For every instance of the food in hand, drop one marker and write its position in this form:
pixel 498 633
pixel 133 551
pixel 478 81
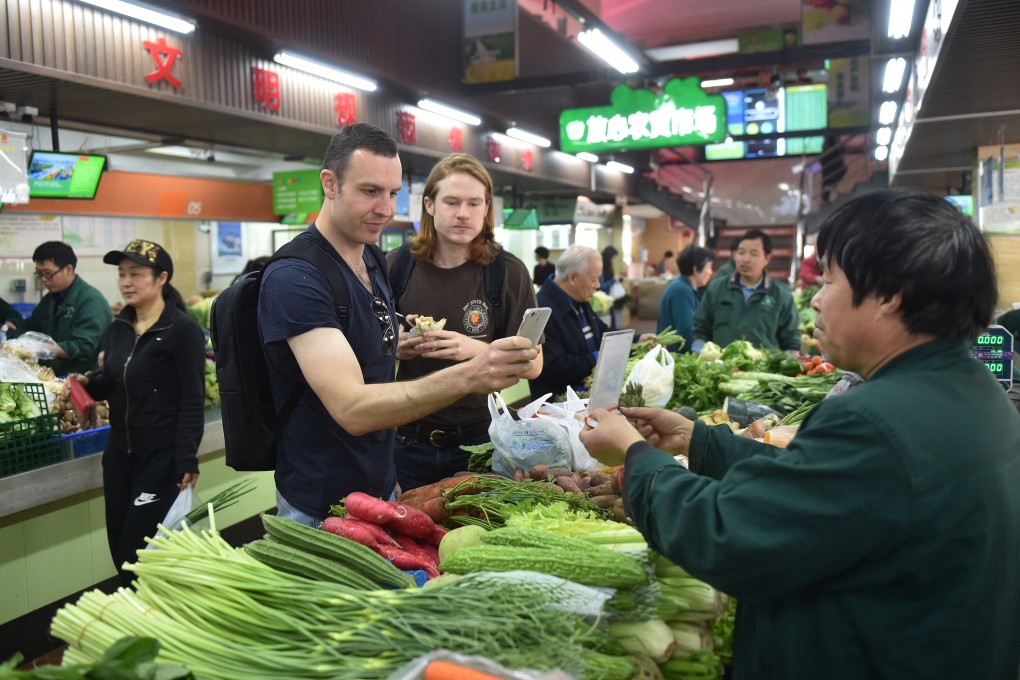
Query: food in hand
pixel 424 324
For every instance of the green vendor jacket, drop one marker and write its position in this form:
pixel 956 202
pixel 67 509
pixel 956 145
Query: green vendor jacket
pixel 768 318
pixel 883 543
pixel 77 325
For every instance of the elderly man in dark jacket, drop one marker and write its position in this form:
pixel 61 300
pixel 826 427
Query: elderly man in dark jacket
pixel 884 542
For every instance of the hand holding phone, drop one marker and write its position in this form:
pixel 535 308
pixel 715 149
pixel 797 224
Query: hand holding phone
pixel 533 323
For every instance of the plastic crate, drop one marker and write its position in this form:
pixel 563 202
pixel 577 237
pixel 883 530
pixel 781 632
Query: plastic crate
pixel 31 443
pixel 23 308
pixel 86 442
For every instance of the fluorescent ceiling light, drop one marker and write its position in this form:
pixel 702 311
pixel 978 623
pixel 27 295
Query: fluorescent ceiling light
pixel 783 186
pixel 894 69
pixel 901 14
pixel 608 51
pixel 619 167
pixel 712 48
pixel 449 112
pixel 718 82
pixel 881 153
pixel 887 113
pixel 167 21
pixel 529 137
pixel 585 156
pixel 323 71
pixel 883 136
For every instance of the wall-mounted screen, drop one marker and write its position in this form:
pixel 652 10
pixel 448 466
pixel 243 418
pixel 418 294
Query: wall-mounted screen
pixel 768 111
pixel 64 175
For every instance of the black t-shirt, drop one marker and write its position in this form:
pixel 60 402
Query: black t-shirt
pixel 542 272
pixel 318 462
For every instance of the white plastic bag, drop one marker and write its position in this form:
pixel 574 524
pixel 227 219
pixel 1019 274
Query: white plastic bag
pixel 32 346
pixel 569 415
pixel 616 291
pixel 523 444
pixel 186 501
pixel 654 372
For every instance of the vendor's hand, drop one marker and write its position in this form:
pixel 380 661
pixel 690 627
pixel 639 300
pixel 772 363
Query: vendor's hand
pixel 607 436
pixel 189 479
pixel 66 386
pixel 666 430
pixel 11 326
pixel 647 336
pixel 450 345
pixel 500 365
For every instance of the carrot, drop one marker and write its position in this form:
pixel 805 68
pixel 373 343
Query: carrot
pixel 435 508
pixel 447 670
pixel 369 508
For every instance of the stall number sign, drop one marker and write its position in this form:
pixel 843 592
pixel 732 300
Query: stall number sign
pixel 679 115
pixel 994 348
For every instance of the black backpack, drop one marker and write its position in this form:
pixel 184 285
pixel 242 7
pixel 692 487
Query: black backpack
pixel 493 275
pixel 251 424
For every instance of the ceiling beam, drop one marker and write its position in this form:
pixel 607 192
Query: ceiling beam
pixel 681 67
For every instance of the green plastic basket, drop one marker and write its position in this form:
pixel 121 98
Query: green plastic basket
pixel 32 442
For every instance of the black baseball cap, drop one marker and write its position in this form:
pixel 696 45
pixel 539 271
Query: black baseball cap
pixel 145 253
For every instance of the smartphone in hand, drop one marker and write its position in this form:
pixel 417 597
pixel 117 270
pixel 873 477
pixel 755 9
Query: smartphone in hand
pixel 533 323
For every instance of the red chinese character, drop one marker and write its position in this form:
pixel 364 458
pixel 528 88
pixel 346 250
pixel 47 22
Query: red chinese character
pixel 495 152
pixel 408 131
pixel 346 109
pixel 456 140
pixel 266 87
pixel 165 65
pixel 528 159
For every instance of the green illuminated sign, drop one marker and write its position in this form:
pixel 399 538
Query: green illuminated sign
pixel 298 191
pixel 680 114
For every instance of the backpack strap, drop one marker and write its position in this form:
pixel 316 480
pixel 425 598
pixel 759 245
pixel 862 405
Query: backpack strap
pixel 401 272
pixel 307 250
pixel 494 275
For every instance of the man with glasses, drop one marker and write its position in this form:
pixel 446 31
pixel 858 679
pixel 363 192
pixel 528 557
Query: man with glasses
pixel 339 437
pixel 72 312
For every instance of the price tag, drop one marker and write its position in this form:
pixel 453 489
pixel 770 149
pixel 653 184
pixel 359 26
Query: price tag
pixel 610 369
pixel 994 348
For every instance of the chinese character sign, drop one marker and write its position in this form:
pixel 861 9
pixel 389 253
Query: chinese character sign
pixel 494 149
pixel 265 87
pixel 408 130
pixel 528 159
pixel 679 115
pixel 490 40
pixel 346 109
pixel 456 140
pixel 164 57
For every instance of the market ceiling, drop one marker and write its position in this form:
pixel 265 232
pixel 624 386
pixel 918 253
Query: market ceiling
pixel 973 78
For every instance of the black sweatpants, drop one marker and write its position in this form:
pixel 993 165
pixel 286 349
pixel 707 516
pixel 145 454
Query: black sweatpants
pixel 140 488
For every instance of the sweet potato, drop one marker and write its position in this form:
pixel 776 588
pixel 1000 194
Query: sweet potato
pixel 605 501
pixel 559 472
pixel 567 484
pixel 602 490
pixel 539 473
pixel 619 514
pixel 585 483
pixel 599 478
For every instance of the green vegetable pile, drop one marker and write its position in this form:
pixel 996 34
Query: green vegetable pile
pixel 16 404
pixel 130 658
pixel 480 459
pixel 212 385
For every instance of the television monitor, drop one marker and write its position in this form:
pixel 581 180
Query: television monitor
pixel 762 111
pixel 965 203
pixel 52 174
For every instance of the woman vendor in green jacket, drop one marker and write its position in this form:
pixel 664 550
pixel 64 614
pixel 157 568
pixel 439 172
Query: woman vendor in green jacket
pixel 884 542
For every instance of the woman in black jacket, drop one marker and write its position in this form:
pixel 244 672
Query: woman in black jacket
pixel 152 372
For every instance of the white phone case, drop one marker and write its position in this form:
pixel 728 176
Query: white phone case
pixel 533 323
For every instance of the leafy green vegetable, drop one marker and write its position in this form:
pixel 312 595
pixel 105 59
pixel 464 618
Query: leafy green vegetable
pixel 130 658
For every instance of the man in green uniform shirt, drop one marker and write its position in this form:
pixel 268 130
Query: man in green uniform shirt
pixel 884 542
pixel 748 305
pixel 72 312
